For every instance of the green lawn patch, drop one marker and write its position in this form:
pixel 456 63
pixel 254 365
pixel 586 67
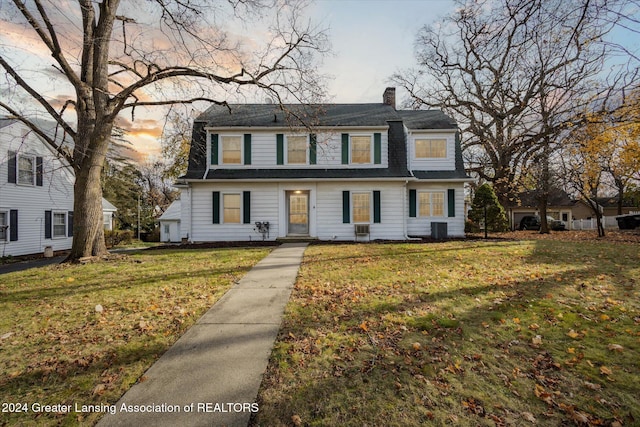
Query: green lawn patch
pixel 466 333
pixel 83 334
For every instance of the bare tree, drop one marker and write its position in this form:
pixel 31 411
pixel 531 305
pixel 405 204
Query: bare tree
pixel 512 72
pixel 116 56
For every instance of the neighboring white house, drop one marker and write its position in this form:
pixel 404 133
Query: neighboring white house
pixel 170 223
pixel 356 172
pixel 36 193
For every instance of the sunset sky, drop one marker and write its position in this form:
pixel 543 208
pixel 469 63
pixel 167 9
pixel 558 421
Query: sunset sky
pixel 371 39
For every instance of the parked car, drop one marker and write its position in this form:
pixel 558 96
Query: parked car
pixel 628 222
pixel 532 222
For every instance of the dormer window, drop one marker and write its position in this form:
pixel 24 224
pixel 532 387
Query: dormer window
pixel 431 148
pixel 232 150
pixel 297 150
pixel 360 149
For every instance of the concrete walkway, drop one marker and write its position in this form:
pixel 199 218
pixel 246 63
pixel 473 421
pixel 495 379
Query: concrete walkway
pixel 211 375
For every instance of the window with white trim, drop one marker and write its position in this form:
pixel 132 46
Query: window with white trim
pixel 231 204
pixel 361 149
pixel 361 207
pixel 431 203
pixel 4 226
pixel 231 149
pixel 297 150
pixel 26 170
pixel 59 225
pixel 431 148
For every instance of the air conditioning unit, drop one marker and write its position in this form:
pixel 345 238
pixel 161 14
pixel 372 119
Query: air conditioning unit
pixel 362 229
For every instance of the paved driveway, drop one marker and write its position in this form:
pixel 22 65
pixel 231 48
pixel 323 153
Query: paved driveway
pixel 25 265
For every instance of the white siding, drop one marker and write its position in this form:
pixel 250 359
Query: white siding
pixel 174 231
pixel 268 203
pixel 32 201
pixel 328 149
pixel 329 205
pixel 264 207
pixel 185 213
pixel 447 163
pixel 421 226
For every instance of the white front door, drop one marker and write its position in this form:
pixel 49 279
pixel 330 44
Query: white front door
pixel 298 212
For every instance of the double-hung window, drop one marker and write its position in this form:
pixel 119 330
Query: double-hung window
pixel 431 148
pixel 297 150
pixel 431 203
pixel 4 225
pixel 59 224
pixel 361 207
pixel 232 150
pixel 231 208
pixel 26 170
pixel 360 149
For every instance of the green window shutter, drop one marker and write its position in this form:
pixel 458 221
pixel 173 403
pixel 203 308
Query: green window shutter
pixel 413 195
pixel 451 200
pixel 247 148
pixel 346 208
pixel 376 207
pixel 377 148
pixel 246 207
pixel 214 149
pixel 216 207
pixel 345 148
pixel 280 149
pixel 313 142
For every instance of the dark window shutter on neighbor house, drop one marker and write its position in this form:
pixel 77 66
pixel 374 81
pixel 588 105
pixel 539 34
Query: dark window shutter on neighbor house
pixel 376 207
pixel 345 148
pixel 216 207
pixel 47 224
pixel 346 208
pixel 12 166
pixel 13 225
pixel 39 171
pixel 280 149
pixel 214 149
pixel 247 148
pixel 413 195
pixel 70 224
pixel 451 200
pixel 246 207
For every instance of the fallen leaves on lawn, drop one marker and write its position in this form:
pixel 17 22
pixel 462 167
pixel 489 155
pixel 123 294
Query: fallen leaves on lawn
pixel 605 371
pixel 573 334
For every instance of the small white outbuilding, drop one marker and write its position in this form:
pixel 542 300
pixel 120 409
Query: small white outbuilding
pixel 170 223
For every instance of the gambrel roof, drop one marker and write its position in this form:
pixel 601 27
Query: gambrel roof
pixel 321 115
pixel 332 117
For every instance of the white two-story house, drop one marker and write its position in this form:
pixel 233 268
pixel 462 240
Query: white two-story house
pixel 329 172
pixel 36 192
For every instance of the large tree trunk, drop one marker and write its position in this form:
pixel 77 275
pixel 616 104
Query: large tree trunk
pixel 88 232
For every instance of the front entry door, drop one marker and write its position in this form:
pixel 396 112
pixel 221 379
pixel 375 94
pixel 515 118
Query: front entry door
pixel 298 205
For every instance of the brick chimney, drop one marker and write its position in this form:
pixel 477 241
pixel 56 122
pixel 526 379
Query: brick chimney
pixel 389 97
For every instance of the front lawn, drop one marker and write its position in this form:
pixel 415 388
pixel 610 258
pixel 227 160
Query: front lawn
pixel 83 334
pixel 470 333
